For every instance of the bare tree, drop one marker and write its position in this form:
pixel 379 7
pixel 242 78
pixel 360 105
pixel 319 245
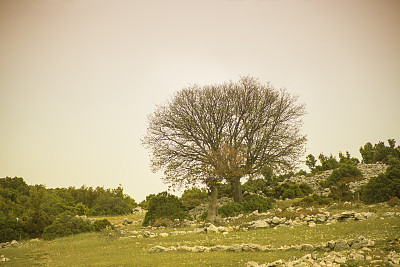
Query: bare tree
pixel 223 132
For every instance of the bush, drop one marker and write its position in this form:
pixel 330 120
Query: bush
pixel 34 222
pixel 230 209
pixel 110 206
pixel 164 205
pixel 67 224
pixel 251 203
pixel 341 192
pixel 193 197
pixel 289 193
pixel 99 225
pixel 393 201
pixel 11 229
pixel 314 200
pixel 292 190
pixel 382 187
pixel 165 222
pixel 344 171
pixel 255 185
pixel 380 152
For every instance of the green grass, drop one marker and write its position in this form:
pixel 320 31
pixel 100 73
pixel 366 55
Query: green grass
pixel 106 249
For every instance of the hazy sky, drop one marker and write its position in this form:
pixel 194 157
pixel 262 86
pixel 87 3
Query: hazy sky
pixel 79 77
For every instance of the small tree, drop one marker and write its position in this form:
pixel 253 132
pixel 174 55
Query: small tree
pixel 380 152
pixel 310 162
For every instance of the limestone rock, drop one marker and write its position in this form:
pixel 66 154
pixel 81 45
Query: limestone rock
pixel 341 245
pixel 259 224
pixel 157 249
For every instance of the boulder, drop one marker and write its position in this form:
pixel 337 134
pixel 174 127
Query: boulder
pixel 276 220
pixel 212 229
pixel 341 245
pixel 259 224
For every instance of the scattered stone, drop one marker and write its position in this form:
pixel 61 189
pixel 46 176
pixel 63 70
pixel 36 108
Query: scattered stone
pixel 312 224
pixel 341 245
pixel 157 249
pixel 251 264
pixel 259 224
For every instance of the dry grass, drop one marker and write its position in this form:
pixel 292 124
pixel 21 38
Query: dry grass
pixel 106 249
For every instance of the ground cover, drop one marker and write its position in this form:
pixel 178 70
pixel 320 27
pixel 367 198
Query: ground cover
pixel 116 248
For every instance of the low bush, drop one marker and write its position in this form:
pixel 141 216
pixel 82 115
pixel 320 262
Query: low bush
pixel 193 197
pixel 67 224
pixel 314 200
pixel 99 225
pixel 163 222
pixel 383 187
pixel 393 201
pixel 343 172
pixel 11 229
pixel 256 185
pixel 341 192
pixel 164 205
pixel 251 203
pixel 230 209
pixel 110 206
pixel 292 190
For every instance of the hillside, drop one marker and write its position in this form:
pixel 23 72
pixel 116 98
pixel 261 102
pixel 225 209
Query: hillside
pixel 352 234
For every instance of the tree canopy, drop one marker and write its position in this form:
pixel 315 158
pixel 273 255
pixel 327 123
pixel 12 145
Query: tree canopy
pixel 224 132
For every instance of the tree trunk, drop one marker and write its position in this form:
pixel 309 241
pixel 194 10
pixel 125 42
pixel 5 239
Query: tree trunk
pixel 237 189
pixel 212 216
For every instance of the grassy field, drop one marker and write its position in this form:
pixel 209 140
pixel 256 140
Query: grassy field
pixel 112 249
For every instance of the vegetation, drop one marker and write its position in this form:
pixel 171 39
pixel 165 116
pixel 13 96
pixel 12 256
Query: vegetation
pixel 314 200
pixel 380 152
pixel 193 197
pixel 107 249
pixel 329 163
pixel 291 190
pixel 68 224
pixel 164 206
pixel 383 187
pixel 26 210
pixel 224 132
pixel 249 204
pixel 343 174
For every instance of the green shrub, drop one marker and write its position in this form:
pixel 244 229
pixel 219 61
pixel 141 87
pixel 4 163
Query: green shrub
pixel 380 152
pixel 255 185
pixel 314 200
pixel 11 229
pixel 203 216
pixel 393 201
pixel 67 224
pixel 165 222
pixel 35 221
pixel 251 203
pixel 109 206
pixel 164 205
pixel 289 193
pixel 230 209
pixel 341 192
pixel 291 190
pixel 383 187
pixel 193 197
pixel 344 171
pixel 99 225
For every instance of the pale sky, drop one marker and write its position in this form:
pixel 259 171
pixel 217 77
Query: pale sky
pixel 79 77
